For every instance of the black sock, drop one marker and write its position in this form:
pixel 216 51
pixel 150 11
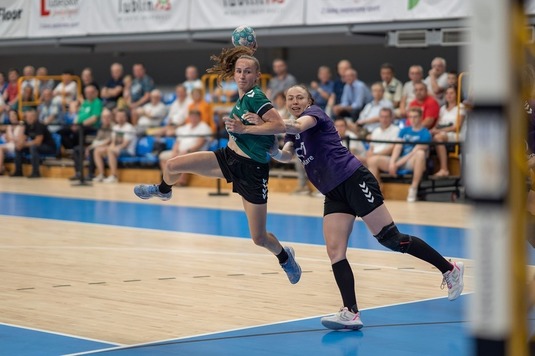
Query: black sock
pixel 346 284
pixel 164 187
pixel 282 256
pixel 420 249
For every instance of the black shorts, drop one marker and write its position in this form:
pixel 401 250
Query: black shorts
pixel 358 195
pixel 249 178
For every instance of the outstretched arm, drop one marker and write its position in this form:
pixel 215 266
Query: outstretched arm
pixel 272 124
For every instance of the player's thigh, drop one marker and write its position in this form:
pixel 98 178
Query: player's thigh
pixel 204 163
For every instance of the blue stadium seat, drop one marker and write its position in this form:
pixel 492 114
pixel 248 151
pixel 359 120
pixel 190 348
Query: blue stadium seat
pixel 215 144
pixel 168 98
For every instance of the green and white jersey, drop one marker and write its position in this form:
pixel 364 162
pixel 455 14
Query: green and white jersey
pixel 255 146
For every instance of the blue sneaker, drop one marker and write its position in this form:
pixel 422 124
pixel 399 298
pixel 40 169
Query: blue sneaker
pixel 291 267
pixel 146 191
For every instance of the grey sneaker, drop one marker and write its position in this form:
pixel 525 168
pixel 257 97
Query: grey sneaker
pixel 291 267
pixel 344 319
pixel 146 191
pixel 454 280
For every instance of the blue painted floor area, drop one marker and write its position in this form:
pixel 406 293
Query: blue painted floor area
pixel 448 241
pixel 432 327
pixel 21 341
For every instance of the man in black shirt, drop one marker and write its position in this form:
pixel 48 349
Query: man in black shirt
pixel 36 140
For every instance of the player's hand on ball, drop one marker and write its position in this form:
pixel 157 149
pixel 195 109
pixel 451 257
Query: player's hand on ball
pixel 234 125
pixel 253 118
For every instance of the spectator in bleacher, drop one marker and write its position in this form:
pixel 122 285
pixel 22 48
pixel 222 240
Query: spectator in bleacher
pixel 323 88
pixel 27 98
pixel 281 79
pixel 355 95
pixel 347 137
pixel 437 80
pixel 151 114
pixel 4 110
pixel 385 132
pixel 225 92
pixel 194 136
pixel 50 113
pixel 339 82
pixel 416 75
pixel 88 117
pixel 13 133
pixel 3 83
pixel 29 72
pixel 427 103
pixel 123 143
pixel 192 79
pixel 198 103
pixel 11 93
pixel 102 138
pixel 448 129
pixel 369 116
pixel 452 80
pixel 178 112
pixel 113 90
pixel 67 90
pixel 126 99
pixel 141 87
pixel 393 87
pixel 44 83
pixel 87 79
pixel 407 156
pixel 35 140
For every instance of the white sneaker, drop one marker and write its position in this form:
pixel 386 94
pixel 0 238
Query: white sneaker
pixel 411 197
pixel 454 280
pixel 344 319
pixel 111 179
pixel 99 178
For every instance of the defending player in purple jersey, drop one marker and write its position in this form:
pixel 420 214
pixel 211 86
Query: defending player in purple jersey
pixel 350 190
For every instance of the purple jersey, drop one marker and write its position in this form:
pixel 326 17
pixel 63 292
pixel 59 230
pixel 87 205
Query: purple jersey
pixel 327 162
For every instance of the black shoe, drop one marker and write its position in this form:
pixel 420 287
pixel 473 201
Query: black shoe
pixel 34 176
pixel 17 174
pixel 75 177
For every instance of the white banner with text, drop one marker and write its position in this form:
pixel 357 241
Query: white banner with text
pixel 322 12
pixel 14 15
pixel 59 18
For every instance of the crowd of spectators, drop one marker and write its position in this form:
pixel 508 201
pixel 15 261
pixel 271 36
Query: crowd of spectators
pixel 102 122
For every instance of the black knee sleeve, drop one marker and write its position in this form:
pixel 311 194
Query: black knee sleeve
pixel 391 238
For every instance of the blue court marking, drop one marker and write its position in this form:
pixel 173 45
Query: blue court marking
pixel 291 228
pixel 17 340
pixel 430 327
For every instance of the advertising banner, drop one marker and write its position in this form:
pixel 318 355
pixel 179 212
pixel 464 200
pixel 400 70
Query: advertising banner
pixel 57 18
pixel 221 14
pixel 14 16
pixel 321 12
pixel 138 16
pixel 429 9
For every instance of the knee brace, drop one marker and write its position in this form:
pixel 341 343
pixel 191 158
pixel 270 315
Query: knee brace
pixel 391 238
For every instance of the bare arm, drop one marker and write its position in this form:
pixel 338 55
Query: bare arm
pixel 272 124
pixel 300 125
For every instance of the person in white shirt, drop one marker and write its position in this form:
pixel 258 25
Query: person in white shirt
pixel 385 132
pixel 349 139
pixel 123 143
pixel 151 114
pixel 194 136
pixel 192 79
pixel 416 75
pixel 369 116
pixel 437 80
pixel 66 91
pixel 393 87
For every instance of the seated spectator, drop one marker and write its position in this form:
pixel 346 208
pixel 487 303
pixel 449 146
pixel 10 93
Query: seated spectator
pixel 323 88
pixel 4 110
pixel 123 143
pixel 192 79
pixel 194 136
pixel 71 115
pixel 11 94
pixel 27 99
pixel 141 87
pixel 29 73
pixel 437 80
pixel 102 138
pixel 349 139
pixel 355 95
pixel 281 79
pixel 151 114
pixel 393 87
pixel 416 75
pixel 369 116
pixel 66 91
pixel 406 156
pixel 88 118
pixel 49 112
pixel 14 132
pixel 35 140
pixel 44 83
pixel 427 103
pixel 87 79
pixel 125 101
pixel 385 132
pixel 448 129
pixel 113 90
pixel 3 84
pixel 339 83
pixel 226 92
pixel 178 113
pixel 198 103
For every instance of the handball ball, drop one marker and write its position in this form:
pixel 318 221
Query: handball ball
pixel 244 36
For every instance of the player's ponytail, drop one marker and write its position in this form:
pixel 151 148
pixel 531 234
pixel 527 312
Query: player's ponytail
pixel 225 62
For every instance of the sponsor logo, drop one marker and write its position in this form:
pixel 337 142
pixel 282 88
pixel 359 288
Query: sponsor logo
pixel 59 7
pixel 139 6
pixel 367 192
pixel 246 3
pixel 10 15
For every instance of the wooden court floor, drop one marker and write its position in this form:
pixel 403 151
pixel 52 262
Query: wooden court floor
pixel 127 285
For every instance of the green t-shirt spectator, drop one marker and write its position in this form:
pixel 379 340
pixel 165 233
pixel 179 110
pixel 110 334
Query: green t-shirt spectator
pixel 88 109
